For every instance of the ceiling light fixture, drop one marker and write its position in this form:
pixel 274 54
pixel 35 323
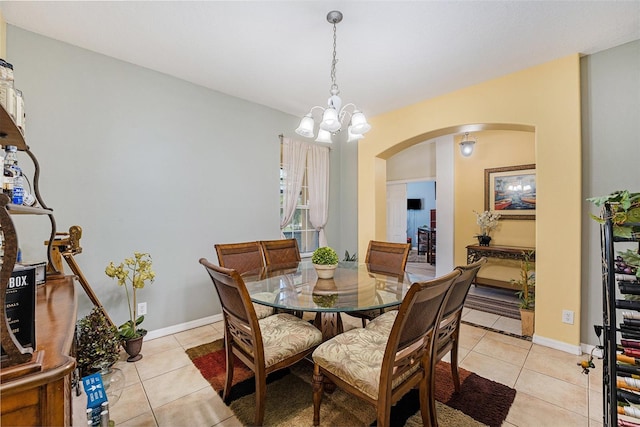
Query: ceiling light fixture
pixel 334 115
pixel 466 146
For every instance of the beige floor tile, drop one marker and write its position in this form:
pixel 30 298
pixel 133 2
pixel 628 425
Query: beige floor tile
pixel 518 342
pixel 132 403
pixel 197 336
pixel 462 353
pixel 201 408
pixel 481 318
pixel 145 420
pixel 159 345
pixel 130 372
pixel 157 364
pixel 563 366
pixel 173 385
pixel 508 324
pixel 529 411
pixel 595 405
pixel 230 422
pixel 557 392
pixel 470 336
pixel 491 368
pixel 499 349
pixel 595 374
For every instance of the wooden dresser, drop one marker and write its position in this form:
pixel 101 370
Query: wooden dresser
pixel 43 397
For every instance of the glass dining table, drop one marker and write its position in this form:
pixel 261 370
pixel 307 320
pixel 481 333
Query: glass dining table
pixel 354 287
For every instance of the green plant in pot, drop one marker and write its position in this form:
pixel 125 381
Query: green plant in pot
pixel 133 273
pixel 325 260
pixel 527 294
pixel 98 349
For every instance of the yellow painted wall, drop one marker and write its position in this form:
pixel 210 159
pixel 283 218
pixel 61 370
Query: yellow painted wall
pixel 545 98
pixel 493 149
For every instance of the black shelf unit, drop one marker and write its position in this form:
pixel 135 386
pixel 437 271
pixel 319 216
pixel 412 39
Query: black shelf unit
pixel 614 288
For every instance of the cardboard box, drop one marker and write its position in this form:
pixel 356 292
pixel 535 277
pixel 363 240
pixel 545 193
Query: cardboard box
pixel 20 305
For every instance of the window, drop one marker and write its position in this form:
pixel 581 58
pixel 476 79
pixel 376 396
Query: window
pixel 300 227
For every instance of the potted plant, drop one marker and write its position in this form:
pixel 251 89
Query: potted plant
pixel 526 294
pixel 133 273
pixel 325 260
pixel 97 350
pixel 487 221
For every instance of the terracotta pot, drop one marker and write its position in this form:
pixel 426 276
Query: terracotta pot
pixel 527 319
pixel 133 347
pixel 325 271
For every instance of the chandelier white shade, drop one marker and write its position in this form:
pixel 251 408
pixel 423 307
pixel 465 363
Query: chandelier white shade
pixel 466 145
pixel 334 116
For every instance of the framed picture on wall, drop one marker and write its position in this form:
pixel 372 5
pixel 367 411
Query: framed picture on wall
pixel 511 191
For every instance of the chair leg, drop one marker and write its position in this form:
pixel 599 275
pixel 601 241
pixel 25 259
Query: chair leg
pixel 318 391
pixel 425 405
pixel 454 366
pixel 261 392
pixel 430 390
pixel 229 369
pixel 364 322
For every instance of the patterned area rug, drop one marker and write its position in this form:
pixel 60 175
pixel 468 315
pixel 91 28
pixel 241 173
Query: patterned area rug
pixel 480 401
pixel 502 302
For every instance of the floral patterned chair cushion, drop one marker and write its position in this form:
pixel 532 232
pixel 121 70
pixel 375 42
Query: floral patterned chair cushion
pixel 356 357
pixel 284 335
pixel 263 311
pixel 383 324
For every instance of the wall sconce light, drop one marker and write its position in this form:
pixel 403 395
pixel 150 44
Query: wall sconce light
pixel 466 145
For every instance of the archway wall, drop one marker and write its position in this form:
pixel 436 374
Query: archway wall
pixel 545 98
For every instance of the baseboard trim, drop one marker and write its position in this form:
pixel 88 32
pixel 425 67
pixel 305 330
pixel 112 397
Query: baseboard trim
pixel 557 345
pixel 159 333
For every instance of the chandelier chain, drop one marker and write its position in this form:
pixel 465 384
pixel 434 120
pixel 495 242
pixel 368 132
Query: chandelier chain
pixel 334 62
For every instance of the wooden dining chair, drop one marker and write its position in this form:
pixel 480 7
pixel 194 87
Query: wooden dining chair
pixel 280 252
pixel 380 368
pixel 383 258
pixel 243 257
pixel 448 338
pixel 263 345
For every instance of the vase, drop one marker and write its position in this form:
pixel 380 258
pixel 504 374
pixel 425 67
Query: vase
pixel 527 320
pixel 325 271
pixel 483 240
pixel 133 346
pixel 113 382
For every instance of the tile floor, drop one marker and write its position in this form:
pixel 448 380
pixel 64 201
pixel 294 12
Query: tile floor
pixel 165 389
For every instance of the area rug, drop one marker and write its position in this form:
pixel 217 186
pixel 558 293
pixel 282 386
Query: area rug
pixel 502 302
pixel 481 402
pixel 414 257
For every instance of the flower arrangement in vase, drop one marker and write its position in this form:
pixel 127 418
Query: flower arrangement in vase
pixel 133 273
pixel 325 260
pixel 487 221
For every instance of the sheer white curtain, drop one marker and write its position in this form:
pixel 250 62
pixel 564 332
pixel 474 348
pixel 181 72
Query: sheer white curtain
pixel 294 155
pixel 318 178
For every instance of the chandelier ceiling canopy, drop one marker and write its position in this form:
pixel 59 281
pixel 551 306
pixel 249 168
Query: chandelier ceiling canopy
pixel 335 115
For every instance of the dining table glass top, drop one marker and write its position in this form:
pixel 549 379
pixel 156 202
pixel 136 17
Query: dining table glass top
pixel 354 287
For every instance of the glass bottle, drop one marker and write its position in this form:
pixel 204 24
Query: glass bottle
pixel 13 182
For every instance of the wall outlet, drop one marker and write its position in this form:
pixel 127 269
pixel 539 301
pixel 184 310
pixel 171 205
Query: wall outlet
pixel 567 317
pixel 142 309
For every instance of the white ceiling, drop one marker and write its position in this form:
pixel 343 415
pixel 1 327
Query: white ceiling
pixel 278 53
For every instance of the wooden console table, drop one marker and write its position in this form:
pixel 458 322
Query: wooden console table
pixel 38 393
pixel 475 252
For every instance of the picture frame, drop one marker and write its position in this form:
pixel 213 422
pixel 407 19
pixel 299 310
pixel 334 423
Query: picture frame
pixel 511 191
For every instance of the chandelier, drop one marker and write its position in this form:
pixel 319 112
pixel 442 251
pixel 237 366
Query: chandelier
pixel 334 115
